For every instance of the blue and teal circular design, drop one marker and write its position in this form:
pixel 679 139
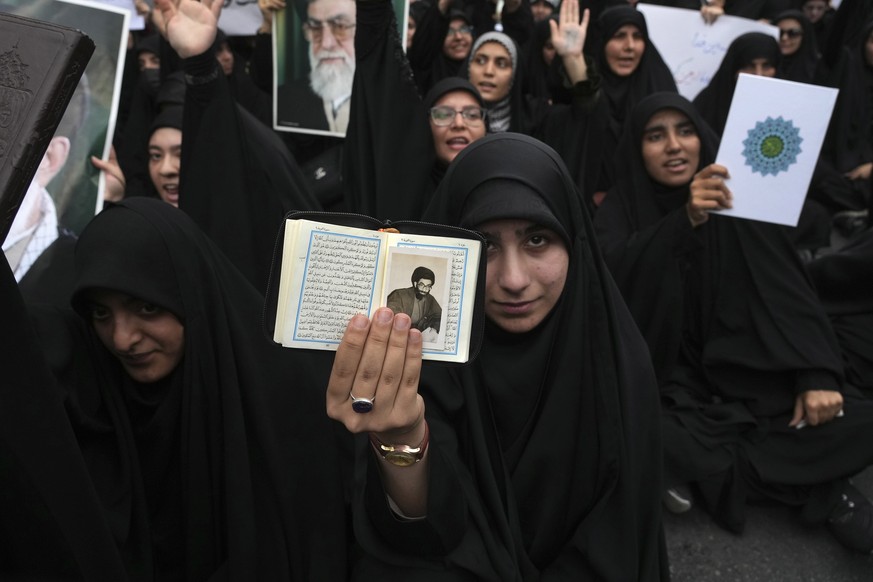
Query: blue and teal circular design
pixel 772 146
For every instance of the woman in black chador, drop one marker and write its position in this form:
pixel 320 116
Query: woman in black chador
pixel 754 402
pixel 539 460
pixel 198 446
pixel 632 68
pixel 798 47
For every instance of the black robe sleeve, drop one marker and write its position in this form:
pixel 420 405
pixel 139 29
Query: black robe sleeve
pixel 388 155
pixel 653 253
pixel 237 178
pixel 53 525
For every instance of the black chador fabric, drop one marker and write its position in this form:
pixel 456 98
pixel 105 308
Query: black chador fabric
pixel 226 468
pixel 622 93
pixel 388 154
pixel 543 455
pixel 755 9
pixel 849 140
pixel 801 65
pixel 53 526
pixel 237 179
pixel 736 332
pixel 844 281
pixel 543 80
pixel 714 101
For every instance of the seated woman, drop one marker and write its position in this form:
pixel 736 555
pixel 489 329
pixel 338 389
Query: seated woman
pixel 540 460
pixel 196 443
pixel 754 403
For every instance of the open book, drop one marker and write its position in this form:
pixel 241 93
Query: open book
pixel 331 272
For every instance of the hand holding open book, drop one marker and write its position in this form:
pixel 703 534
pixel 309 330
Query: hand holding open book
pixel 330 272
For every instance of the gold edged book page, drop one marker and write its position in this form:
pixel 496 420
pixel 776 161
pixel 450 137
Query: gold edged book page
pixel 331 272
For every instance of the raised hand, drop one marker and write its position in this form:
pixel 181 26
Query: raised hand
pixel 188 25
pixel 568 35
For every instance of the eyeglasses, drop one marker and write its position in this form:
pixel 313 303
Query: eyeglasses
pixel 424 286
pixel 461 31
pixel 790 32
pixel 445 115
pixel 340 29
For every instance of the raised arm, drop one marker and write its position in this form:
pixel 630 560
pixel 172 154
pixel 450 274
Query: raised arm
pixel 568 38
pixel 373 389
pixel 188 25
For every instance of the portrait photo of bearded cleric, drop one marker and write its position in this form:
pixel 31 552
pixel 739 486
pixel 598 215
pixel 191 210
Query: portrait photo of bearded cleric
pixel 420 286
pixel 315 65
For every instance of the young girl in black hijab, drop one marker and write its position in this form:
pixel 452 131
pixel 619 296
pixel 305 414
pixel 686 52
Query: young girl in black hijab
pixel 743 350
pixel 540 460
pixel 202 443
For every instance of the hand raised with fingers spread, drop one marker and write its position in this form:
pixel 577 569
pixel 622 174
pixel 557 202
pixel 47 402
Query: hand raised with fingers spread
pixel 708 192
pixel 188 25
pixel 568 35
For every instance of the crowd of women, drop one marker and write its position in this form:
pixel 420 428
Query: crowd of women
pixel 640 351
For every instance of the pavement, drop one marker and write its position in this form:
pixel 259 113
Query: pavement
pixel 775 546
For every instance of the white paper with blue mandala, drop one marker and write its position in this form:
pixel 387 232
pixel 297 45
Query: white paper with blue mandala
pixel 770 145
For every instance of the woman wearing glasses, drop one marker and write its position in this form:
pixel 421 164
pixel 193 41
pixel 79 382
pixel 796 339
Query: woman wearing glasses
pixel 798 47
pixel 398 145
pixel 444 40
pixel 390 122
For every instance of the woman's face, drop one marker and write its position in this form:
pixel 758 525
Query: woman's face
pixel 165 159
pixel 527 269
pixel 410 31
pixel 549 52
pixel 147 340
pixel 449 140
pixel 224 56
pixel 148 60
pixel 790 36
pixel 624 50
pixel 761 66
pixel 815 9
pixel 671 148
pixel 458 40
pixel 491 71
